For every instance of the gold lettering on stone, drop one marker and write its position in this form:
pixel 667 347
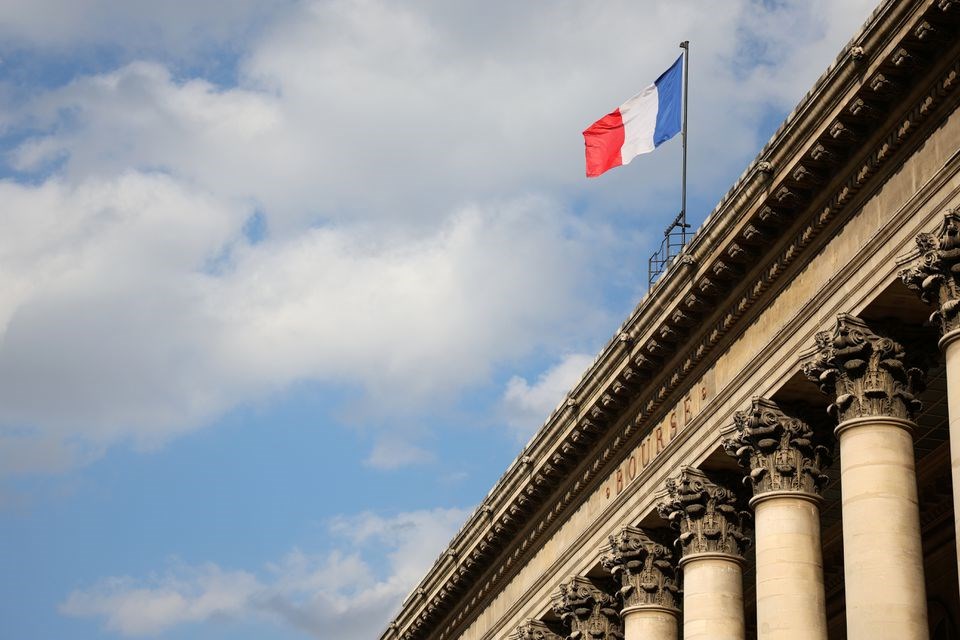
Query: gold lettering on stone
pixel 656 441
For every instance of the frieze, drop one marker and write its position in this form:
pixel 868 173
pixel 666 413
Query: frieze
pixel 662 434
pixel 868 374
pixel 780 452
pixel 935 274
pixel 707 515
pixel 644 568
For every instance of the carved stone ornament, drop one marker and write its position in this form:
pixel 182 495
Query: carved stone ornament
pixel 867 373
pixel 644 568
pixel 706 514
pixel 533 630
pixel 781 453
pixel 589 612
pixel 935 274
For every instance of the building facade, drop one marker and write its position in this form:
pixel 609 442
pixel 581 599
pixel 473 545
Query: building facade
pixel 764 448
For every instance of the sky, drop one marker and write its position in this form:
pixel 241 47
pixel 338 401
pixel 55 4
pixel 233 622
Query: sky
pixel 285 285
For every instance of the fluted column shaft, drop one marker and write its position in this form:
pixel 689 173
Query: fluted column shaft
pixel 713 597
pixel 882 554
pixel 950 344
pixel 874 382
pixel 790 597
pixel 934 274
pixel 650 623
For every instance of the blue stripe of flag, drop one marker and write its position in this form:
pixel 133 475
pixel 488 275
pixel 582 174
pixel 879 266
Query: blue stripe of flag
pixel 669 102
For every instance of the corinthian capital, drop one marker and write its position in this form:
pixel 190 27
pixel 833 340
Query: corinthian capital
pixel 935 274
pixel 587 611
pixel 533 630
pixel 706 514
pixel 781 452
pixel 644 568
pixel 867 373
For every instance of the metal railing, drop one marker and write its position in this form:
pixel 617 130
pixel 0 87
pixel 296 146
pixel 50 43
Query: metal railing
pixel 674 238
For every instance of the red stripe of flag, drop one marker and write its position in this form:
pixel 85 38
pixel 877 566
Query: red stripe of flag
pixel 603 140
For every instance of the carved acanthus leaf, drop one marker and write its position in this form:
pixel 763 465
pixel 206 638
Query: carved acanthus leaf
pixel 935 274
pixel 589 612
pixel 707 515
pixel 868 374
pixel 644 568
pixel 780 452
pixel 534 630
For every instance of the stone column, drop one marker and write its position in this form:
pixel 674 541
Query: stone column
pixel 874 389
pixel 645 571
pixel 934 274
pixel 587 610
pixel 712 543
pixel 785 460
pixel 534 630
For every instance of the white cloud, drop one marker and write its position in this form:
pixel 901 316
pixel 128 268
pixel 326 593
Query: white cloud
pixel 181 27
pixel 340 594
pixel 371 109
pixel 102 329
pixel 527 406
pixel 398 155
pixel 410 318
pixel 113 308
pixel 183 594
pixel 785 46
pixel 393 453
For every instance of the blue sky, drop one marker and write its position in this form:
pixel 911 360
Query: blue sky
pixel 285 285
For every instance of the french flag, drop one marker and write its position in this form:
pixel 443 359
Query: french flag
pixel 638 126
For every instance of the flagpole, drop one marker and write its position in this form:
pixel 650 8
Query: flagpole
pixel 685 45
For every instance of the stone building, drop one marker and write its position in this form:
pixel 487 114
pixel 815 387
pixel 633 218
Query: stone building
pixel 763 450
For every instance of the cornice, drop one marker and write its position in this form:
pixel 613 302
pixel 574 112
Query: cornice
pixel 846 130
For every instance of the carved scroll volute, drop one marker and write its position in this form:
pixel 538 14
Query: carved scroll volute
pixel 935 274
pixel 707 515
pixel 589 612
pixel 644 568
pixel 534 630
pixel 780 452
pixel 867 374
